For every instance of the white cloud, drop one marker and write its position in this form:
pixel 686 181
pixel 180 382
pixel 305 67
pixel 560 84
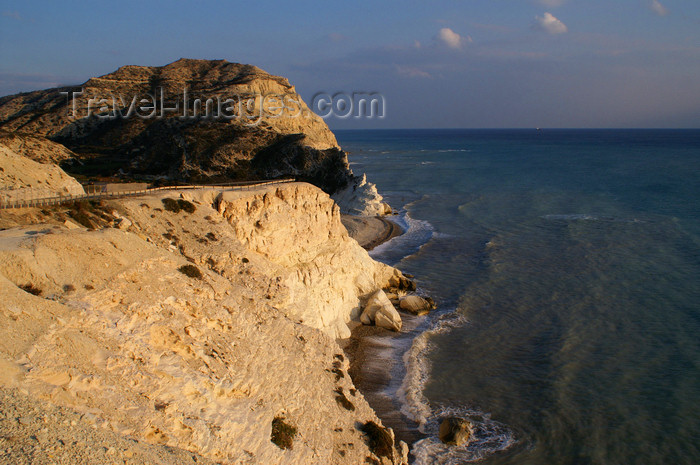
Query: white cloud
pixel 450 38
pixel 550 24
pixel 658 8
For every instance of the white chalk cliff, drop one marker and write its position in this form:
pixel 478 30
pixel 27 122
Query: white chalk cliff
pixel 204 365
pixel 361 197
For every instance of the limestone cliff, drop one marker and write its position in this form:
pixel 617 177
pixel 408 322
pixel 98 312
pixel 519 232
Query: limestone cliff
pixel 22 177
pixel 144 121
pixel 196 328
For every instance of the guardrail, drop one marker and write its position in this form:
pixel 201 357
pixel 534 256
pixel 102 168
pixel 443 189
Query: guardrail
pixel 48 201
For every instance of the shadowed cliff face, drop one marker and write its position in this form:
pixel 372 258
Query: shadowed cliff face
pixel 145 121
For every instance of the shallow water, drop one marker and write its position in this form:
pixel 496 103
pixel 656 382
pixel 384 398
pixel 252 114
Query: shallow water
pixel 567 269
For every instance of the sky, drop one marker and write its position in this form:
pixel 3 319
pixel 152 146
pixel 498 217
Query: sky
pixel 438 63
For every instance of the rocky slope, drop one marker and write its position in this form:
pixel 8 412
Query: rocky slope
pixel 263 129
pixel 205 320
pixel 36 148
pixel 22 177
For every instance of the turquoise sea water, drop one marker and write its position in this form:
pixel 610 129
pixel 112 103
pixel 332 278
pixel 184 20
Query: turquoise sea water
pixel 566 264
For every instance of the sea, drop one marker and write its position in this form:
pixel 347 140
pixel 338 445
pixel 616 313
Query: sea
pixel 566 269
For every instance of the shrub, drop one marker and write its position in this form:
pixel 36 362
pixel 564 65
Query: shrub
pixel 186 206
pixel 175 205
pixel 29 287
pixel 190 271
pixel 68 288
pixel 171 205
pixel 380 442
pixel 282 433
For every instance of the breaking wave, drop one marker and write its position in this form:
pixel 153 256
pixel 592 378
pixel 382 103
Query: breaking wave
pixel 489 436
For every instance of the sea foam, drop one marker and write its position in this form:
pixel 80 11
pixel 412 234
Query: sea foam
pixel 489 435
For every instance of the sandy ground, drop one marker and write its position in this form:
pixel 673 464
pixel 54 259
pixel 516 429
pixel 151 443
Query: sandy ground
pixel 369 232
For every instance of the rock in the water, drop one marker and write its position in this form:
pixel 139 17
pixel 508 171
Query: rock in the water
pixel 414 304
pixel 455 431
pixel 380 311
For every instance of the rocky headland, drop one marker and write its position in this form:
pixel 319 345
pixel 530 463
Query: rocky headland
pixel 191 121
pixel 186 325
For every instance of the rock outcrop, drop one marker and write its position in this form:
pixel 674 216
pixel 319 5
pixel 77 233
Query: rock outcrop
pixel 381 312
pixel 455 431
pixel 415 304
pixel 23 178
pixel 195 329
pixel 191 120
pixel 361 198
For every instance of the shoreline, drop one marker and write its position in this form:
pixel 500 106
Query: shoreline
pixel 370 349
pixel 372 358
pixel 370 231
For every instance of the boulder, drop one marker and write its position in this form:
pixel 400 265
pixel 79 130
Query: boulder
pixel 123 223
pixel 414 304
pixel 400 282
pixel 390 320
pixel 392 296
pixel 455 431
pixel 380 311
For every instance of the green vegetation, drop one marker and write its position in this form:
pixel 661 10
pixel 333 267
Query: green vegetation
pixel 177 205
pixel 190 271
pixel 282 433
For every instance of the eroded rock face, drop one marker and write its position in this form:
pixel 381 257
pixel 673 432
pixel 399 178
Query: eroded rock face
pixel 199 362
pixel 23 178
pixel 297 228
pixel 361 198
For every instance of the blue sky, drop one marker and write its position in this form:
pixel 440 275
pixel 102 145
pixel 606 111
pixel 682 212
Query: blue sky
pixel 452 63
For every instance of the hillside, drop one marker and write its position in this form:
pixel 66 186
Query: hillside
pixel 192 327
pixel 144 122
